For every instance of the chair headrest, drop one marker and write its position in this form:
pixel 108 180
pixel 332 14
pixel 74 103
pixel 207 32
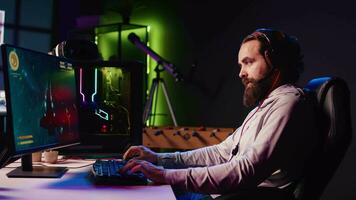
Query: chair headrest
pixel 315 83
pixel 333 101
pixel 323 86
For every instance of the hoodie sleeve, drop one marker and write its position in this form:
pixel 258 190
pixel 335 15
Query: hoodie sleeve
pixel 205 156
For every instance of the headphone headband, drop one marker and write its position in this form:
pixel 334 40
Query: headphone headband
pixel 271 37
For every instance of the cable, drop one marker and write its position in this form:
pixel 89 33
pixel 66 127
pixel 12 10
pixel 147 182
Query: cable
pixel 86 165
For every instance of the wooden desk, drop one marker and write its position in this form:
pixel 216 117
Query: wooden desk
pixel 76 185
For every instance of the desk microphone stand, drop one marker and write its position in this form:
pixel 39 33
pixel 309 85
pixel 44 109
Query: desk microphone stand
pixel 154 90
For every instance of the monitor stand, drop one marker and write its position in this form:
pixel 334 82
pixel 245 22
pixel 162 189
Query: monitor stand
pixel 28 171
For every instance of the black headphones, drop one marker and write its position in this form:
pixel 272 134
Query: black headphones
pixel 281 51
pixel 77 49
pixel 273 40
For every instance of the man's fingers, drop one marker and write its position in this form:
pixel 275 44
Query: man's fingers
pixel 138 168
pixel 135 165
pixel 128 166
pixel 150 171
pixel 131 152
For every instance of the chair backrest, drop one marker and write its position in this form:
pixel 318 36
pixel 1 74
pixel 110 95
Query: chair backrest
pixel 332 97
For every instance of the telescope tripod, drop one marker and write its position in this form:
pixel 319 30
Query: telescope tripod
pixel 148 112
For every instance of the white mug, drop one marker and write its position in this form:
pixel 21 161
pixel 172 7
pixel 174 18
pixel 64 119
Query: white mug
pixel 50 156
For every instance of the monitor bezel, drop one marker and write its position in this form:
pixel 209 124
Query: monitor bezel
pixel 9 130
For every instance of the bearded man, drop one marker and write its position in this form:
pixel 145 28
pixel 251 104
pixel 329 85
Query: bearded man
pixel 266 155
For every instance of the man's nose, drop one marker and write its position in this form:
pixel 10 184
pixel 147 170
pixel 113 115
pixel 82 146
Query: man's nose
pixel 242 73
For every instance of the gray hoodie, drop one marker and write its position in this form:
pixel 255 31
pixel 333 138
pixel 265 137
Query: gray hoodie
pixel 274 146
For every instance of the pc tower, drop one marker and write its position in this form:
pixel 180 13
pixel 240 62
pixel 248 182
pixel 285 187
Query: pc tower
pixel 112 85
pixel 110 105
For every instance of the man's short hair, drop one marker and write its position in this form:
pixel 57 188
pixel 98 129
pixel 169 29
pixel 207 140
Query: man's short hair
pixel 283 52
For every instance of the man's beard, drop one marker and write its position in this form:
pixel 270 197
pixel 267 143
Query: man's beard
pixel 255 90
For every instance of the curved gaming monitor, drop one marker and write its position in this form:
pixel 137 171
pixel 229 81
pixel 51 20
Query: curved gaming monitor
pixel 41 106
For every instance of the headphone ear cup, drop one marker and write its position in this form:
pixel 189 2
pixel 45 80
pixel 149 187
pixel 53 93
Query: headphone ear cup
pixel 268 58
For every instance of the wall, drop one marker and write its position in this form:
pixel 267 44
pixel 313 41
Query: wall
pixel 26 29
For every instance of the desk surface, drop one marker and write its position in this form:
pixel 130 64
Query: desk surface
pixel 75 184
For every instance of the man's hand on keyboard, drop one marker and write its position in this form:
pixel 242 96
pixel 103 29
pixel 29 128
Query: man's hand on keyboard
pixel 151 171
pixel 141 153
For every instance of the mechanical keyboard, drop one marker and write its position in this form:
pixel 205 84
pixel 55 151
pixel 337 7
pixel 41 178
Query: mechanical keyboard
pixel 107 172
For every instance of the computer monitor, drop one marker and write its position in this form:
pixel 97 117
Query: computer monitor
pixel 41 107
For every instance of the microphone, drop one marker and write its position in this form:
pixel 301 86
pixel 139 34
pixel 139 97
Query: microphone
pixel 169 67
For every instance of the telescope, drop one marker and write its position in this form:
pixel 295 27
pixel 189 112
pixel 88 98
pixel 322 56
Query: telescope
pixel 169 67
